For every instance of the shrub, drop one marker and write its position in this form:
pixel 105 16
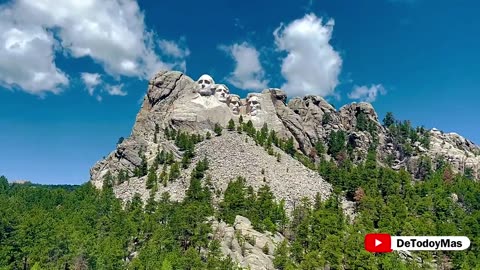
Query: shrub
pixel 231 125
pixel 217 129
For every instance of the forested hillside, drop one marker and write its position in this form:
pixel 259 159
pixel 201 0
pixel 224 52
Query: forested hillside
pixel 83 228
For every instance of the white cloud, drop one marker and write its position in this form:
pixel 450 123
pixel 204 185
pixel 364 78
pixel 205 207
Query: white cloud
pixel 27 57
pixel 91 80
pixel 248 73
pixel 365 93
pixel 173 49
pixel 311 66
pixel 115 90
pixel 112 33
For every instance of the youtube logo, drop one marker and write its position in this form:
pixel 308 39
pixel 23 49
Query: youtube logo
pixel 382 242
pixel 378 242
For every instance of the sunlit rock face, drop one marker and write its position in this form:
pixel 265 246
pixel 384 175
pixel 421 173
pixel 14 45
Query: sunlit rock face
pixel 235 104
pixel 176 101
pixel 222 93
pixel 253 104
pixel 205 85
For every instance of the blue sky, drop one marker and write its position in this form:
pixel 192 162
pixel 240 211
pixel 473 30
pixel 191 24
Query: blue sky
pixel 72 74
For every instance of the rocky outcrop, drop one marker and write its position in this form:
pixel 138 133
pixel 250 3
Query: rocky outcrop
pixel 246 246
pixel 172 101
pixel 232 155
pixel 456 150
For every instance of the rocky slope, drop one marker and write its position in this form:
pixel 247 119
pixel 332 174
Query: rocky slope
pixel 232 155
pixel 250 248
pixel 173 101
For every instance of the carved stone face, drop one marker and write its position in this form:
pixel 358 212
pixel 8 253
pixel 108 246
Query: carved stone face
pixel 253 103
pixel 222 93
pixel 235 104
pixel 205 85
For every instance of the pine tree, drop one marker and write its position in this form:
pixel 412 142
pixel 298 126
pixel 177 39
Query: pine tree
pixel 388 120
pixel 234 202
pixel 167 133
pixel 108 180
pixel 290 147
pixel 151 178
pixel 362 121
pixel 326 119
pixel 169 158
pixel 209 135
pixel 3 184
pixel 120 140
pixel 336 142
pixel 160 158
pixel 281 259
pixel 143 170
pixel 250 129
pixel 174 171
pixel 122 176
pixel 217 129
pixel 231 125
pixel 164 175
pixel 320 148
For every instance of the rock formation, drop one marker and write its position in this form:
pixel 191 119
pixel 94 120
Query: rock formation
pixel 175 101
pixel 250 248
pixel 232 155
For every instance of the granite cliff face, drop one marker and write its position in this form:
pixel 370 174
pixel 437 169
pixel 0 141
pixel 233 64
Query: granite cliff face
pixel 174 101
pixel 241 242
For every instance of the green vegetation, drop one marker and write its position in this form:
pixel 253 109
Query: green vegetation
pixel 120 140
pixel 389 119
pixel 217 129
pixel 54 228
pixel 406 136
pixel 151 178
pixel 362 121
pixel 326 118
pixel 51 227
pixel 260 207
pixel 231 125
pixel 336 143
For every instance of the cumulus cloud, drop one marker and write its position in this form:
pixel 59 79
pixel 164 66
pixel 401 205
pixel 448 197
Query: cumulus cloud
pixel 367 94
pixel 27 57
pixel 115 90
pixel 311 66
pixel 112 33
pixel 248 73
pixel 91 80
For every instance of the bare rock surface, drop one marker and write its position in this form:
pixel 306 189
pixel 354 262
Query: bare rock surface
pixel 251 249
pixel 172 101
pixel 232 155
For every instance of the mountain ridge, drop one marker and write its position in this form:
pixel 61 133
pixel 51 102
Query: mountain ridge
pixel 173 101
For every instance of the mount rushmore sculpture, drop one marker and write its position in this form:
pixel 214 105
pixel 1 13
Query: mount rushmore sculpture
pixel 206 87
pixel 176 101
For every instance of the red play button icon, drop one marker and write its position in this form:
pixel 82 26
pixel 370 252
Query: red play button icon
pixel 378 242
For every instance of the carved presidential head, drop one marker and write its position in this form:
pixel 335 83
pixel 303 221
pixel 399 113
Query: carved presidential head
pixel 205 85
pixel 235 104
pixel 253 104
pixel 222 93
